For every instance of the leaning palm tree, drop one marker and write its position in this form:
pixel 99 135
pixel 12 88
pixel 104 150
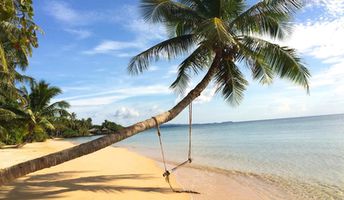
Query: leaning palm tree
pixel 219 37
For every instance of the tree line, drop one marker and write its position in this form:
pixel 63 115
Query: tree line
pixel 32 116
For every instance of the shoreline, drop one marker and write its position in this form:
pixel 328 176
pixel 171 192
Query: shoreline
pixel 110 173
pixel 218 183
pixel 139 176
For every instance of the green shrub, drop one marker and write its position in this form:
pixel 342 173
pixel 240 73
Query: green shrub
pixel 13 136
pixel 83 131
pixel 70 133
pixel 40 136
pixel 1 145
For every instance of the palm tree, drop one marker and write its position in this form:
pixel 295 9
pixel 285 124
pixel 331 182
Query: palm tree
pixel 17 38
pixel 224 35
pixel 17 33
pixel 39 112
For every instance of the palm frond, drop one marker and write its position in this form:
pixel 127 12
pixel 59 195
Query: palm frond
pixel 168 11
pixel 45 123
pixel 216 31
pixel 261 72
pixel 179 28
pixel 3 60
pixel 55 108
pixel 197 61
pixel 6 115
pixel 231 8
pixel 231 82
pixel 283 61
pixel 169 49
pixel 267 17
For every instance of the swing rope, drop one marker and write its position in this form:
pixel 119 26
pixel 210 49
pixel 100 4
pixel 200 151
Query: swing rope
pixel 160 141
pixel 167 172
pixel 190 132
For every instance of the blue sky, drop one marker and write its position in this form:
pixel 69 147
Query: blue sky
pixel 87 44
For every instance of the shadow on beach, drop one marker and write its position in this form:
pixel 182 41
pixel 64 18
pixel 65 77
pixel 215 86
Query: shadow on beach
pixel 56 185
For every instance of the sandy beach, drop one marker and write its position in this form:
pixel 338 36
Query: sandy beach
pixel 111 173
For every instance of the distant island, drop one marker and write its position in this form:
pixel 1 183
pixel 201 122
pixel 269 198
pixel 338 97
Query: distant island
pixel 232 122
pixel 196 124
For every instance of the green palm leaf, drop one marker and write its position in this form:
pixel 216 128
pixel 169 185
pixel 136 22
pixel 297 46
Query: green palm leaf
pixel 283 61
pixel 231 82
pixel 3 60
pixel 216 30
pixel 6 115
pixel 167 10
pixel 169 49
pixel 267 18
pixel 197 61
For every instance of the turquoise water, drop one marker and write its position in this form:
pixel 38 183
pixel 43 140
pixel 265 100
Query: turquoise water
pixel 300 154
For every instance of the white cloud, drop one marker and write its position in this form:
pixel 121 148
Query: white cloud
pixel 144 35
pixel 334 76
pixel 172 71
pixel 80 33
pixel 126 113
pixel 66 14
pixel 153 68
pixel 322 39
pixel 96 101
pixel 63 12
pixel 145 30
pixel 154 110
pixel 123 55
pixel 75 88
pixel 110 96
pixel 206 96
pixel 333 7
pixel 113 47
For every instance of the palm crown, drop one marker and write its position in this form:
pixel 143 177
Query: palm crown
pixel 226 35
pixel 39 111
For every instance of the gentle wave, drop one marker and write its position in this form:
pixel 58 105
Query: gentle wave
pixel 268 185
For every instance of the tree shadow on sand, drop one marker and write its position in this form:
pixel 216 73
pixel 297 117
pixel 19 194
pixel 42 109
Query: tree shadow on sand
pixel 55 185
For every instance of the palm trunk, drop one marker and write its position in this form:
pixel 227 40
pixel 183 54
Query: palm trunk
pixel 21 169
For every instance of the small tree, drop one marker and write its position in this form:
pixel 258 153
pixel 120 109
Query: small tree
pixel 38 112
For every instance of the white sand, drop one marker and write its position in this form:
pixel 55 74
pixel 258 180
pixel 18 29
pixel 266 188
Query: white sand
pixel 111 173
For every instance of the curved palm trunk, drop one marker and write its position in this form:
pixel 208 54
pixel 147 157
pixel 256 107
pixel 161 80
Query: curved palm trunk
pixel 21 169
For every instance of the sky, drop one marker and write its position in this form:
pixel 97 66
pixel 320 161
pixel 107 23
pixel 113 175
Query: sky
pixel 87 44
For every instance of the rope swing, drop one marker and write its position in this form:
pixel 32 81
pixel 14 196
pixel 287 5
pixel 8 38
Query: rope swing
pixel 167 172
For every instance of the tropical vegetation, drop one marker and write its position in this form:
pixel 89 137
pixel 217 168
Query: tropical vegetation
pixel 17 38
pixel 34 117
pixel 30 116
pixel 219 38
pixel 27 112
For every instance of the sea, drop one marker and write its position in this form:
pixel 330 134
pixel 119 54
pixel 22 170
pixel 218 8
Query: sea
pixel 291 158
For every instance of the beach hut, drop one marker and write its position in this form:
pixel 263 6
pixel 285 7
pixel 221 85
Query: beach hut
pixel 93 131
pixel 105 130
